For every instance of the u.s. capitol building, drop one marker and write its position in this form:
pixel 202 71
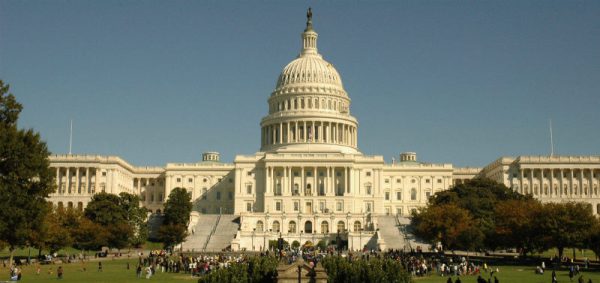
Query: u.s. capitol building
pixel 309 181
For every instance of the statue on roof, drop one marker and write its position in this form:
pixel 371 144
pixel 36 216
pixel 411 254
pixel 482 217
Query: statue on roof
pixel 309 19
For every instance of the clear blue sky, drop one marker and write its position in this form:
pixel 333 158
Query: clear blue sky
pixel 463 82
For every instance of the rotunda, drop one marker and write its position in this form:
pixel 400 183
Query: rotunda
pixel 309 110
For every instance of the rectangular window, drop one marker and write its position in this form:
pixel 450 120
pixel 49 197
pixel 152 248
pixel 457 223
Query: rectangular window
pixel 296 206
pixel 190 180
pixel 427 181
pixel 249 189
pixel 249 206
pixel 249 173
pixel 339 206
pixel 398 195
pixel 218 195
pixel 399 211
pixel 387 181
pixel 322 206
pixel 103 173
pixel 296 174
pixel 439 181
pixel 308 174
pixel 368 189
pixel 368 173
pixel 230 195
pixel 277 206
pixel 178 180
pixel 398 180
pixel 368 207
pixel 387 195
pixel 427 194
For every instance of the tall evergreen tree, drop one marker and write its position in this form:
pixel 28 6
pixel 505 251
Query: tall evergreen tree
pixel 177 216
pixel 26 179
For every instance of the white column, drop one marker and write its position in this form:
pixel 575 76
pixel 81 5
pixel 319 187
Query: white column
pixel 522 190
pixel 560 190
pixel 287 133
pixel 302 180
pixel 591 183
pixel 57 179
pixel 88 180
pixel 552 183
pixel 267 180
pixel 68 189
pixel 77 181
pixel 280 133
pixel 315 185
pixel 572 189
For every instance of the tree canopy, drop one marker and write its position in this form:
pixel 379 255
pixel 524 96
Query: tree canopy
pixel 176 218
pixel 25 176
pixel 483 214
pixel 120 216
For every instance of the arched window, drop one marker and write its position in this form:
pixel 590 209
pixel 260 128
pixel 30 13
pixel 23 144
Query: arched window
pixel 565 189
pixel 357 226
pixel 595 189
pixel 555 189
pixel 585 190
pixel 341 226
pixel 80 206
pixel 292 226
pixel 575 188
pixel 308 191
pixel 413 194
pixel 70 205
pixel 324 227
pixel 308 227
pixel 276 226
pixel 259 226
pixel 598 208
pixel 296 190
pixel 546 189
pixel 535 189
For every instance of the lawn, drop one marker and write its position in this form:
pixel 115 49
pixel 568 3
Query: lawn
pixel 115 271
pixel 516 274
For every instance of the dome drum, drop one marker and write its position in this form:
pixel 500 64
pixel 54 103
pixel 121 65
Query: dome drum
pixel 309 108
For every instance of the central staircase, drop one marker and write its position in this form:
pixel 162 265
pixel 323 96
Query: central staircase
pixel 212 232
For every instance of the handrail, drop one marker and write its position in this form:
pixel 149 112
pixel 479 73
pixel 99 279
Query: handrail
pixel 212 232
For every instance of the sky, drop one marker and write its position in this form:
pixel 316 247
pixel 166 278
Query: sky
pixel 154 82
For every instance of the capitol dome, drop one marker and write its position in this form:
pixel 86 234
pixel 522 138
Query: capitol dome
pixel 309 69
pixel 309 110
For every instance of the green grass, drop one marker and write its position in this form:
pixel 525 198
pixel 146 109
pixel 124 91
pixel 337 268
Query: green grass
pixel 114 271
pixel 516 274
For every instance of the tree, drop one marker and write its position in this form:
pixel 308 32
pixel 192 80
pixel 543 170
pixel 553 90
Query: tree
pixel 25 177
pixel 105 209
pixel 172 234
pixel 135 215
pixel 517 225
pixel 112 214
pixel 55 232
pixel 567 225
pixel 479 196
pixel 89 235
pixel 449 224
pixel 176 218
pixel 178 207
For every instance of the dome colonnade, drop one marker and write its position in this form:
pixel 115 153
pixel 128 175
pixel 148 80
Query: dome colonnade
pixel 309 106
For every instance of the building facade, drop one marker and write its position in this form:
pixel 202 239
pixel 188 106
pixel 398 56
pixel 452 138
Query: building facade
pixel 309 180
